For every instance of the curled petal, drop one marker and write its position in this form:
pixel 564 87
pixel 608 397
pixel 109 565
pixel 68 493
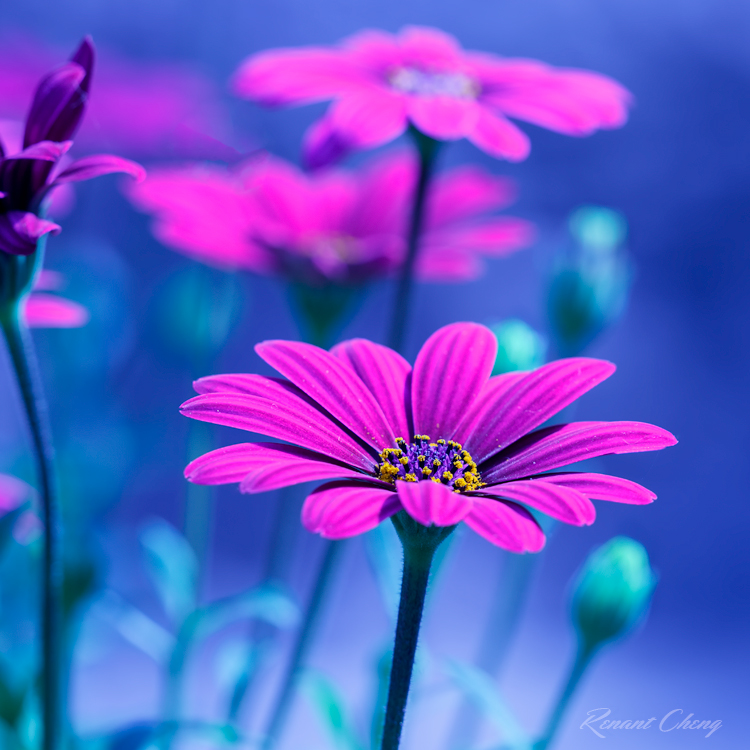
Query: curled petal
pixel 553 447
pixel 506 525
pixel 20 231
pixel 385 373
pixel 58 105
pixel 563 503
pixel 342 509
pixel 333 385
pixel 432 503
pixel 450 371
pixel 444 117
pixel 101 164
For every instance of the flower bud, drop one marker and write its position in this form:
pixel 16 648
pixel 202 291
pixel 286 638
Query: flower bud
pixel 590 284
pixel 519 347
pixel 613 592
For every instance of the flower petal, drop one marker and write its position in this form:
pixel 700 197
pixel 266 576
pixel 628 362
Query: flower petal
pixel 58 105
pixel 297 76
pixel 563 503
pixel 279 410
pixel 385 373
pixel 50 311
pixel 333 385
pixel 368 119
pixel 445 118
pixel 602 487
pixel 433 504
pixel 264 466
pixel 498 136
pixel 560 445
pixel 101 164
pixel 531 401
pixel 20 231
pixel 506 525
pixel 451 369
pixel 342 509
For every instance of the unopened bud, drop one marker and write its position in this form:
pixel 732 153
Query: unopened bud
pixel 613 591
pixel 519 347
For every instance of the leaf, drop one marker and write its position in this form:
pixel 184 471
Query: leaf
pixel 134 626
pixel 483 692
pixel 172 566
pixel 330 708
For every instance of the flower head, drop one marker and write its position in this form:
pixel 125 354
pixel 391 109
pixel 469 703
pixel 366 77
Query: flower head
pixel 340 226
pixel 380 83
pixel 28 176
pixel 444 440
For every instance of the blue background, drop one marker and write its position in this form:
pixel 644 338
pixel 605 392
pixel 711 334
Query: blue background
pixel 679 171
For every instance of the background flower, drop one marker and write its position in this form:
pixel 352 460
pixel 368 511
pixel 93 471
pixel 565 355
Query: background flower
pixel 381 83
pixel 342 226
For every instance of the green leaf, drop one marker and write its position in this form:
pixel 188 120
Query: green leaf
pixel 172 566
pixel 483 692
pixel 330 708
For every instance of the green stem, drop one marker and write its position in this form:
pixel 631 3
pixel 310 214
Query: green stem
pixel 583 659
pixel 24 361
pixel 302 645
pixel 419 543
pixel 427 148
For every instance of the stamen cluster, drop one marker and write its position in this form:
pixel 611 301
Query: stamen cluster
pixel 415 81
pixel 443 461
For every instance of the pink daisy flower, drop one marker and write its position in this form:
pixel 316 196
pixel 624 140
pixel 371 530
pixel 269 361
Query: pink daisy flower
pixel 381 83
pixel 340 226
pixel 44 310
pixel 478 452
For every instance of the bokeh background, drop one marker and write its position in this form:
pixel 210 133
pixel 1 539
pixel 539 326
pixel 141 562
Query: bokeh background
pixel 680 173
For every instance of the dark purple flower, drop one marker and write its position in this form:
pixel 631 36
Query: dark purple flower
pixel 478 452
pixel 28 176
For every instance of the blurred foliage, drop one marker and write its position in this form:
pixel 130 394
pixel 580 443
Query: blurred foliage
pixel 589 287
pixel 519 347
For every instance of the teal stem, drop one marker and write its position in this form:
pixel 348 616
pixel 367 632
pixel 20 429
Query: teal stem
pixel 23 357
pixel 285 522
pixel 582 661
pixel 427 148
pixel 419 543
pixel 305 636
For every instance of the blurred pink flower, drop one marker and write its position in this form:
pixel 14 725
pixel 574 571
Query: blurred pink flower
pixel 341 226
pixel 13 494
pixel 478 454
pixel 44 310
pixel 146 109
pixel 380 83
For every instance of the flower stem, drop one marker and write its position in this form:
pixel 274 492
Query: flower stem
pixel 24 361
pixel 427 148
pixel 302 645
pixel 583 659
pixel 419 543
